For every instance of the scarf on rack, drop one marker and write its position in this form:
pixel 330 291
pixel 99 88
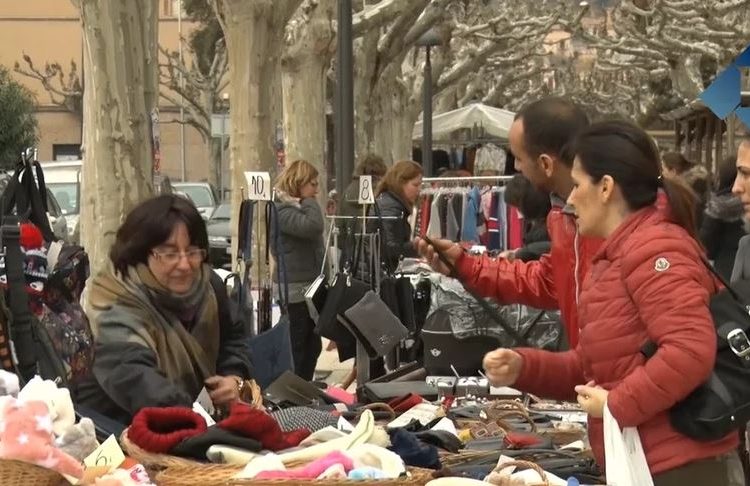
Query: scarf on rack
pixel 136 308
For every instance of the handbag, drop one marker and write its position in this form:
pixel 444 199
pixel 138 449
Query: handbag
pixel 316 293
pixel 240 298
pixel 271 350
pixel 721 404
pixel 344 292
pixel 26 197
pixel 374 325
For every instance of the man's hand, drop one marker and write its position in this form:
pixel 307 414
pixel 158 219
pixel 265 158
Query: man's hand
pixel 502 366
pixel 509 255
pixel 451 251
pixel 223 390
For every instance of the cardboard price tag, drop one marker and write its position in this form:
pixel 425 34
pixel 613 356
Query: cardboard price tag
pixel 366 190
pixel 258 186
pixel 107 455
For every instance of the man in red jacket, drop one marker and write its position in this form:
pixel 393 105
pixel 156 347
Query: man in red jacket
pixel 538 137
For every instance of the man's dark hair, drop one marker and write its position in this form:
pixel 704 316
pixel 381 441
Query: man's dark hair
pixel 150 224
pixel 549 125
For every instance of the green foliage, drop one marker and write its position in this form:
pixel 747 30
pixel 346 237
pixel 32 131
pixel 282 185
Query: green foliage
pixel 18 125
pixel 203 40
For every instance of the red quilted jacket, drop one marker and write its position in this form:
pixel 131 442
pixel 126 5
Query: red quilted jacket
pixel 646 282
pixel 552 282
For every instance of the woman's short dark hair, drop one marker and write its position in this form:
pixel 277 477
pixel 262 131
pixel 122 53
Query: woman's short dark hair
pixel 629 155
pixel 150 224
pixel 533 203
pixel 677 162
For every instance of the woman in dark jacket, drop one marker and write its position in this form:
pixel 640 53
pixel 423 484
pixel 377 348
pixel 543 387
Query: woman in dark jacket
pixel 722 227
pixel 301 225
pixel 160 318
pixel 397 194
pixel 534 206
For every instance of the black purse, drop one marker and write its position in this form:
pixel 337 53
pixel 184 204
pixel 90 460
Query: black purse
pixel 345 291
pixel 722 404
pixel 240 298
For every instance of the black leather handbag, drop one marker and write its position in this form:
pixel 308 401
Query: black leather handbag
pixel 722 404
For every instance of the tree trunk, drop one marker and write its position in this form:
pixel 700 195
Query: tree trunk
pixel 306 58
pixel 365 82
pixel 393 123
pixel 121 91
pixel 254 35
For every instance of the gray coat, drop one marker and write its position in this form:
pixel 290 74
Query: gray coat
pixel 741 270
pixel 301 227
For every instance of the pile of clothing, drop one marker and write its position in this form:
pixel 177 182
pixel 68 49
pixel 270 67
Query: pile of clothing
pixel 38 426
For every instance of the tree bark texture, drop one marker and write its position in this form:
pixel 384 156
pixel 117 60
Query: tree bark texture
pixel 120 56
pixel 309 47
pixel 254 32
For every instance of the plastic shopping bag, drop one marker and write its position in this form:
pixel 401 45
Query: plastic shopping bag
pixel 623 453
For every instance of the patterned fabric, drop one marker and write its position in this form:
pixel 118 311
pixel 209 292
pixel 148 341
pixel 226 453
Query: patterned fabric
pixel 303 418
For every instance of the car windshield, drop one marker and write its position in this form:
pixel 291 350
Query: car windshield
pixel 222 213
pixel 200 195
pixel 66 194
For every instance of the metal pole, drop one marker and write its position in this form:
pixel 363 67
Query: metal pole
pixel 345 98
pixel 182 98
pixel 221 162
pixel 427 116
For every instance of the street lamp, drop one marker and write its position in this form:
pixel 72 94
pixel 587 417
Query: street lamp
pixel 429 39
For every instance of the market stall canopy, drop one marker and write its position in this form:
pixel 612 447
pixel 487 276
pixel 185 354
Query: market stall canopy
pixel 495 121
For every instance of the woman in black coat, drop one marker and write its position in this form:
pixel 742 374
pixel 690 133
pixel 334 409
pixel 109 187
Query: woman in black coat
pixel 721 228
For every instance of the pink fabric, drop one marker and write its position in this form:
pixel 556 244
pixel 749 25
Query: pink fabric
pixel 312 470
pixel 26 435
pixel 341 395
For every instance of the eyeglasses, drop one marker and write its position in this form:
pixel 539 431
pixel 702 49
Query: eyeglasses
pixel 172 258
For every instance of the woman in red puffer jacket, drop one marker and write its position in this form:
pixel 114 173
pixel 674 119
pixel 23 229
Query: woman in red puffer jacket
pixel 646 283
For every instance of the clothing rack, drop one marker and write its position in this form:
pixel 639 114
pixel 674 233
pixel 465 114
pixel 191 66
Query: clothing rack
pixel 429 180
pixel 362 217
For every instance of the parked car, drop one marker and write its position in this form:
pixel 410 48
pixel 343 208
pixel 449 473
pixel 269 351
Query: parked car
pixel 220 237
pixel 202 194
pixel 63 178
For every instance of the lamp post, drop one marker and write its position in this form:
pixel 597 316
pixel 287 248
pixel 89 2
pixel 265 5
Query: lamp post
pixel 429 39
pixel 344 99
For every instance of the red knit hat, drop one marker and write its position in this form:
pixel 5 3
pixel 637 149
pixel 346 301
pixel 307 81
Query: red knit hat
pixel 256 424
pixel 160 429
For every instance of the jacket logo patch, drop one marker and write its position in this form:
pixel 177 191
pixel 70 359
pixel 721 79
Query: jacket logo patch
pixel 661 264
pixel 435 352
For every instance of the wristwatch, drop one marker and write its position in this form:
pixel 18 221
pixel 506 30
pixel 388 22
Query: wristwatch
pixel 240 385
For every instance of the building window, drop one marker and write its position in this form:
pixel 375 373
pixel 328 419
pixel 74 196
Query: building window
pixel 66 151
pixel 171 8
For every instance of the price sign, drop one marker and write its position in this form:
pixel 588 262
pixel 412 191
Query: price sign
pixel 258 186
pixel 107 455
pixel 366 190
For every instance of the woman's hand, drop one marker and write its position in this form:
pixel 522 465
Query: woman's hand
pixel 592 398
pixel 503 366
pixel 223 390
pixel 450 250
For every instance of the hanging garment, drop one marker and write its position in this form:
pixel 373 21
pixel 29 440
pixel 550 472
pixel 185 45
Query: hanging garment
pixel 490 158
pixel 471 214
pixel 452 229
pixel 515 229
pixel 493 225
pixel 433 230
pixel 424 217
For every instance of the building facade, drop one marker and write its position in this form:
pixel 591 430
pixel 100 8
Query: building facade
pixel 49 31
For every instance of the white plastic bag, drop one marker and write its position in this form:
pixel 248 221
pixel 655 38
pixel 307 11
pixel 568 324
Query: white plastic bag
pixel 623 453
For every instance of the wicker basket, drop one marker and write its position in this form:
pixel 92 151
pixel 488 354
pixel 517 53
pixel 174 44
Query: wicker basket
pixel 17 473
pixel 208 475
pixel 151 461
pixel 526 465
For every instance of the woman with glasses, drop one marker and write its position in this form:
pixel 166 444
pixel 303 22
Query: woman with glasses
pixel 160 318
pixel 301 226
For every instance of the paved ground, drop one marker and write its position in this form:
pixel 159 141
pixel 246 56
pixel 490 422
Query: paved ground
pixel 329 369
